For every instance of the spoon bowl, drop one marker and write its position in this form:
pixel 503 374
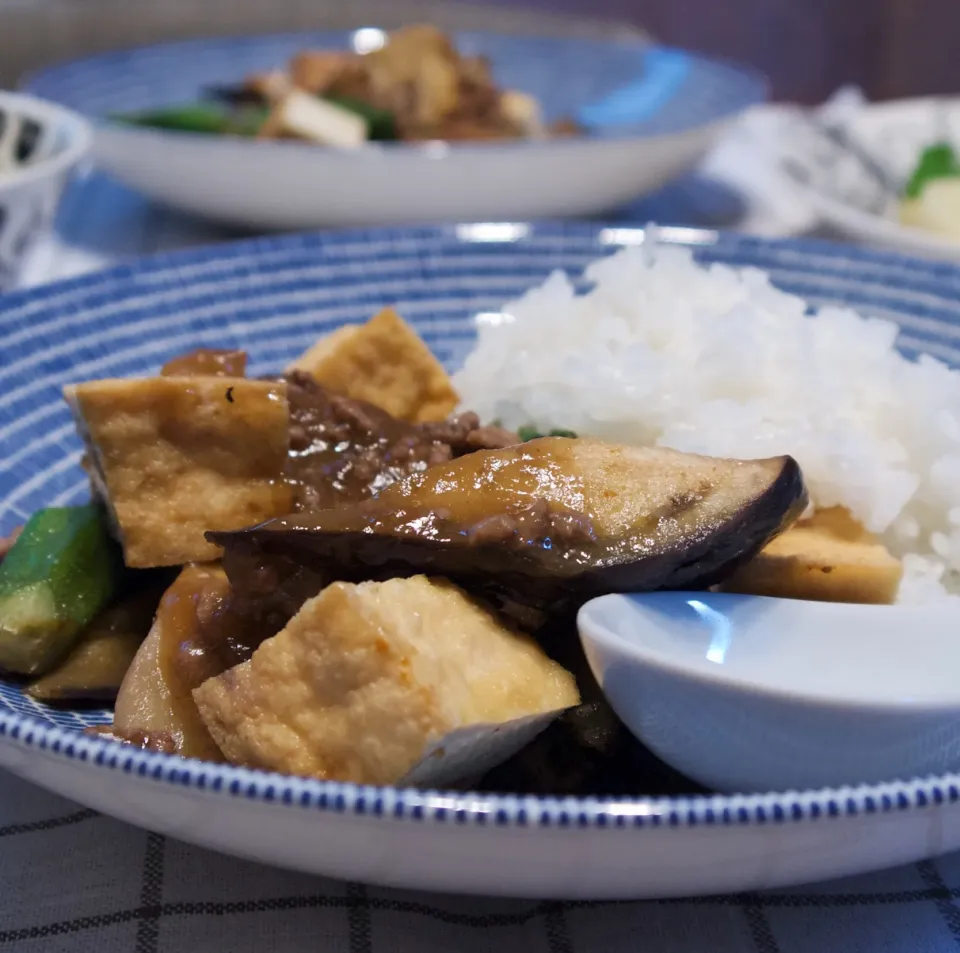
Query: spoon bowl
pixel 748 693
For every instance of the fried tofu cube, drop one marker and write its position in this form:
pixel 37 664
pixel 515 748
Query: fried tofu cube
pixel 365 678
pixel 301 115
pixel 828 558
pixel 385 363
pixel 174 457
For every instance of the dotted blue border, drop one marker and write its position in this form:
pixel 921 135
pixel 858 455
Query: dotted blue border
pixel 468 808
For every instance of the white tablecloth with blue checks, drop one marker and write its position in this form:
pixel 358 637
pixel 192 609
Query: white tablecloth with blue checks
pixel 74 881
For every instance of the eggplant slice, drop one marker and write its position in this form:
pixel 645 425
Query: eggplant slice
pixel 533 526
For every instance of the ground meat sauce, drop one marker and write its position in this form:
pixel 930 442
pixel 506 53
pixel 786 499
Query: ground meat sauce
pixel 344 450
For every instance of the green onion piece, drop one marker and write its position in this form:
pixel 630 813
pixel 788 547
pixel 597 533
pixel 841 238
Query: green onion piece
pixel 381 125
pixel 209 118
pixel 531 433
pixel 196 118
pixel 936 162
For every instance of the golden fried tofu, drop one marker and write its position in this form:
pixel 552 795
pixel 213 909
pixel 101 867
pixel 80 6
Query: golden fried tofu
pixel 385 363
pixel 365 678
pixel 828 558
pixel 174 457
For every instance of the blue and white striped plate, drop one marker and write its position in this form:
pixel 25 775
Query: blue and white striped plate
pixel 650 112
pixel 274 297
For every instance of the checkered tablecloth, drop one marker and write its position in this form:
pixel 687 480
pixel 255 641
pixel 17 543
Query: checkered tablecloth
pixel 74 881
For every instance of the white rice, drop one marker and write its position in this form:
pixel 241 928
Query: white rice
pixel 716 360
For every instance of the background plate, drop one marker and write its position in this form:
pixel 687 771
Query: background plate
pixel 652 112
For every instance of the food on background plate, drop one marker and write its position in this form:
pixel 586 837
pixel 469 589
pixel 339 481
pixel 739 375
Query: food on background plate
pixel 931 198
pixel 422 560
pixel 414 86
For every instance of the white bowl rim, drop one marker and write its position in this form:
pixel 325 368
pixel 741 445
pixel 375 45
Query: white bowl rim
pixel 732 681
pixel 79 144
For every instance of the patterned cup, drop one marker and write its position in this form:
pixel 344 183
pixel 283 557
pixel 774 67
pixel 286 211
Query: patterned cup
pixel 41 147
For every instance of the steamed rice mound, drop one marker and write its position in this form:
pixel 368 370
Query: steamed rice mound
pixel 715 360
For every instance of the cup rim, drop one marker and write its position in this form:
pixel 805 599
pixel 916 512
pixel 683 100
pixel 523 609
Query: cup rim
pixel 79 139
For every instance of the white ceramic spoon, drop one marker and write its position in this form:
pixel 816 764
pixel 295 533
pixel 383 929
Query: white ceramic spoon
pixel 744 693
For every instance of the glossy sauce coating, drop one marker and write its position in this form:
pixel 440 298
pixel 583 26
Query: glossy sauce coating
pixel 446 503
pixel 563 511
pixel 344 450
pixel 198 636
pixel 207 362
pixel 202 635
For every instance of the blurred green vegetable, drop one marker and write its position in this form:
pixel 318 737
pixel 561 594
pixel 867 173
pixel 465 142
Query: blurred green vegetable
pixel 62 570
pixel 95 668
pixel 207 118
pixel 199 118
pixel 246 119
pixel 936 162
pixel 531 433
pixel 381 125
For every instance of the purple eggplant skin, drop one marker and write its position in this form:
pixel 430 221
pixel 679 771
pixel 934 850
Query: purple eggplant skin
pixel 534 526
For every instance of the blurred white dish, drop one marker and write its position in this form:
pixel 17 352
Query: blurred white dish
pixel 837 187
pixel 653 113
pixel 41 145
pixel 744 693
